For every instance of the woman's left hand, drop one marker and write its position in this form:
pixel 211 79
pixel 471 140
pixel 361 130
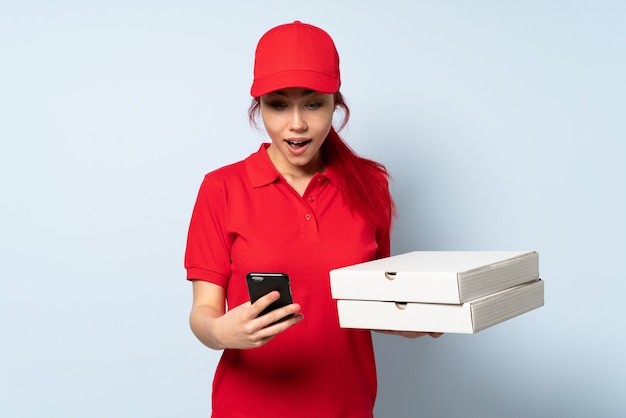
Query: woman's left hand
pixel 411 334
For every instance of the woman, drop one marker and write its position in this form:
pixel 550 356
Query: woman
pixel 303 204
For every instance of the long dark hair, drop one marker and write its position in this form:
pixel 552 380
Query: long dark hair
pixel 364 183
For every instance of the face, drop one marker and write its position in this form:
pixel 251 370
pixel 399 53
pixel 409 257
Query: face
pixel 297 121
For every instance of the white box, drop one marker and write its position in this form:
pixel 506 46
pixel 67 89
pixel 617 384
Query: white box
pixel 452 277
pixel 468 318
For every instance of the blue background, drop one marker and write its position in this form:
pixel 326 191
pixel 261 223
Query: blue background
pixel 502 123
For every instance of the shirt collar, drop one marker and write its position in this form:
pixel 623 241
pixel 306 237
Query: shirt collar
pixel 262 172
pixel 260 169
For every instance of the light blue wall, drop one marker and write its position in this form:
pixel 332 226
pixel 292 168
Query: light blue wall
pixel 501 122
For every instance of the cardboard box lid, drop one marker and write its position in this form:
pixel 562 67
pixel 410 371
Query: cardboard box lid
pixel 451 277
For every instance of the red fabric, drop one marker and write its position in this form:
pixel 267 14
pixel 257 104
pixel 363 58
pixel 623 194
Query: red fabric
pixel 295 55
pixel 247 218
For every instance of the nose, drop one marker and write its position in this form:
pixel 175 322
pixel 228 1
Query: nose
pixel 297 122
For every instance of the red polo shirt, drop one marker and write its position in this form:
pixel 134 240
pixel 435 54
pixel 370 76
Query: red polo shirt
pixel 248 218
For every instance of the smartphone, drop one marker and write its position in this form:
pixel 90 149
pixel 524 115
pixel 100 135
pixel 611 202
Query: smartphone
pixel 260 284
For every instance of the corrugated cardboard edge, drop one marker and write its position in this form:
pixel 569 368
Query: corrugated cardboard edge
pixel 493 309
pixel 478 282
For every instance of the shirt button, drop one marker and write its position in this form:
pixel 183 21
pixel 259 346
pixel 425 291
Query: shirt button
pixel 311 198
pixel 308 216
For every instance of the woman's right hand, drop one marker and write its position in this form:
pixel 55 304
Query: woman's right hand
pixel 240 327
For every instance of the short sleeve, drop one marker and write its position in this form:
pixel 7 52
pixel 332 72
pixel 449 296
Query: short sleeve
pixel 207 256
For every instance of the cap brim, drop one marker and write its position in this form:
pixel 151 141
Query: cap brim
pixel 295 78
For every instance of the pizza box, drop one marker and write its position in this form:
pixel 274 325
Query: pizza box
pixel 452 277
pixel 467 318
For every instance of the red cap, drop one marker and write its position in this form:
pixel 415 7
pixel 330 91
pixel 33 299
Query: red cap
pixel 295 55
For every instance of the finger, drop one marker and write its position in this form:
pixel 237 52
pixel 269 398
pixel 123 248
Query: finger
pixel 412 334
pixel 406 334
pixel 280 314
pixel 267 333
pixel 263 302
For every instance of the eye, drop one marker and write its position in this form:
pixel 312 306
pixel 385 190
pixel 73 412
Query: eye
pixel 278 105
pixel 274 103
pixel 314 106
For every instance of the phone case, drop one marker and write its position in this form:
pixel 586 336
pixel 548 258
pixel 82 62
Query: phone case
pixel 260 284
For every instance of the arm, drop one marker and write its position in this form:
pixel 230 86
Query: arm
pixel 238 327
pixel 208 257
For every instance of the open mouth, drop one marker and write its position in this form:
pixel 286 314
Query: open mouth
pixel 298 143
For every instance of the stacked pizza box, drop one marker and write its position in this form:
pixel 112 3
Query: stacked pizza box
pixel 438 291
